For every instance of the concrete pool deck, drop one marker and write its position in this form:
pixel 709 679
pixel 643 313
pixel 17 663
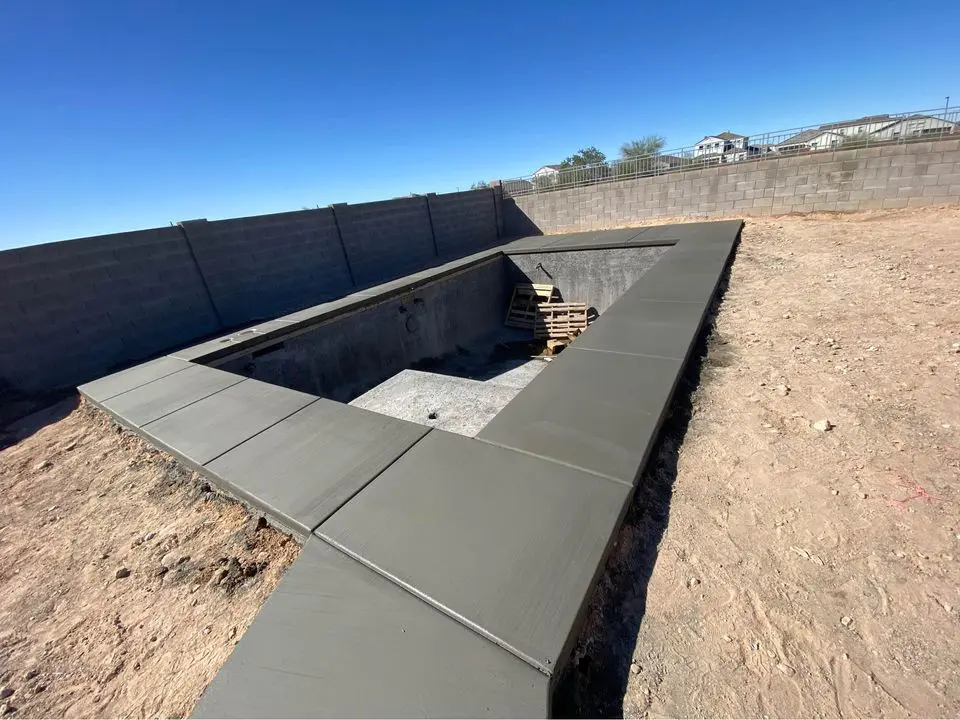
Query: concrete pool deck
pixel 441 575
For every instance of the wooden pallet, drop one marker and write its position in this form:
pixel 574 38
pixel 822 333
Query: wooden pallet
pixel 523 304
pixel 560 320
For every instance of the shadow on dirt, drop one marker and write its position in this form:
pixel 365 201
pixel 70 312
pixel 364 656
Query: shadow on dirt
pixel 23 417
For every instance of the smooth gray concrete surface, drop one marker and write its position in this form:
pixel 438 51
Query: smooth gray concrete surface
pixel 677 284
pixel 595 277
pixel 125 380
pixel 507 543
pixel 299 471
pixel 206 429
pixel 594 240
pixel 645 327
pixel 428 275
pixel 595 410
pixel 135 408
pixel 335 639
pixel 219 347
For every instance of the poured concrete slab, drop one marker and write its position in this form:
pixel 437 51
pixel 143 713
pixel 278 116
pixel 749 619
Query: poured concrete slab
pixel 430 275
pixel 592 240
pixel 299 471
pixel 335 639
pixel 126 380
pixel 135 408
pixel 218 347
pixel 210 427
pixel 507 543
pixel 595 410
pixel 644 327
pixel 668 282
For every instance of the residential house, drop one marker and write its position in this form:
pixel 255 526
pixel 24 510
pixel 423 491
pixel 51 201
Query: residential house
pixel 916 126
pixel 721 143
pixel 813 139
pixel 860 126
pixel 546 174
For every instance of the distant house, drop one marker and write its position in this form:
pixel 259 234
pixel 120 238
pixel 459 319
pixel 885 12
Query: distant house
pixel 814 139
pixel 721 143
pixel 860 126
pixel 548 173
pixel 873 128
pixel 916 126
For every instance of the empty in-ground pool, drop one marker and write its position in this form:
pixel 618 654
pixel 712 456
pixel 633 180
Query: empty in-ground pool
pixel 439 353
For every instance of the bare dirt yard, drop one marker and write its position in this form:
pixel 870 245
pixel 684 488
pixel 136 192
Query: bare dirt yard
pixel 124 582
pixel 772 564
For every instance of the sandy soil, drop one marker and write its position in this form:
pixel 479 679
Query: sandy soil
pixel 771 569
pixel 124 582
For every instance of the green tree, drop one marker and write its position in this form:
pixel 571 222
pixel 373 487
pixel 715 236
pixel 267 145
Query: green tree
pixel 649 145
pixel 584 157
pixel 480 185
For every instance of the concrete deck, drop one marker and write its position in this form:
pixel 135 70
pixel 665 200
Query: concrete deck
pixel 442 575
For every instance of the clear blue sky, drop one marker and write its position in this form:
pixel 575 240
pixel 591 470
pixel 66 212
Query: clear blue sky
pixel 134 113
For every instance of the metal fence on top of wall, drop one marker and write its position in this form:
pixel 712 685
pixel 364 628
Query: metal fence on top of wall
pixel 726 148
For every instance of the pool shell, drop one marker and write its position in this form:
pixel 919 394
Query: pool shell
pixel 486 549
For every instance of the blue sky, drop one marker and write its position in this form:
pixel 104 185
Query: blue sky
pixel 131 114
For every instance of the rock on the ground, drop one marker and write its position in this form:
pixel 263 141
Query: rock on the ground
pixel 822 425
pixel 122 573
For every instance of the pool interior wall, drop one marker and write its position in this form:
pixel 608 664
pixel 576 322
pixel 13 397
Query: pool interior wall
pixel 452 327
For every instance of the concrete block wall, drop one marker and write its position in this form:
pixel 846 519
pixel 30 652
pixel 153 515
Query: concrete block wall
pixel 464 222
pixel 387 239
pixel 268 265
pixel 914 174
pixel 71 311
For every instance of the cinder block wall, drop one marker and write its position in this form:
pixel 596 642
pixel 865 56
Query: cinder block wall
pixel 462 222
pixel 915 174
pixel 75 310
pixel 71 311
pixel 386 239
pixel 268 265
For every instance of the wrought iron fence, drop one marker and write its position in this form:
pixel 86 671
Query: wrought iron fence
pixel 730 148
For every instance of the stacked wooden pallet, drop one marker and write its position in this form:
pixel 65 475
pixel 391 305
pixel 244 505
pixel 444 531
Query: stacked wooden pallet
pixel 537 307
pixel 560 320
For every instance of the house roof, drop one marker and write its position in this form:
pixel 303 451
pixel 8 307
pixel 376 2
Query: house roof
pixel 723 136
pixel 927 117
pixel 547 167
pixel 806 136
pixel 866 120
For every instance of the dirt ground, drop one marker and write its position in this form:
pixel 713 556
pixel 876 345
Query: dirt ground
pixel 124 582
pixel 768 568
